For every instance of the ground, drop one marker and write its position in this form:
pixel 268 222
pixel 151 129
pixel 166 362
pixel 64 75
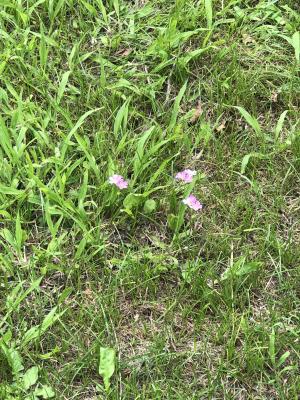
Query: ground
pixel 129 294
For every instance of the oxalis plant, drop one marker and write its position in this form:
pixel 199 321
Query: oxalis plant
pixel 185 183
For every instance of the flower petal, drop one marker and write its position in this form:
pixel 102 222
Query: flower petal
pixel 185 175
pixel 192 202
pixel 118 180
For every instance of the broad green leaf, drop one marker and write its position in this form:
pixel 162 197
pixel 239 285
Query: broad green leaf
pixel 132 200
pixel 172 221
pixel 30 377
pixel 247 268
pixel 107 365
pixel 149 206
pixel 8 237
pixel 13 358
pixel 240 268
pixel 45 392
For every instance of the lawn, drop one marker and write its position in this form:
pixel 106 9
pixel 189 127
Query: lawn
pixel 125 287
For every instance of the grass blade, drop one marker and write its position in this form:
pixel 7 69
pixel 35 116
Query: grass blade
pixel 252 121
pixel 121 118
pixel 176 108
pixel 209 13
pixel 73 130
pixel 103 10
pixel 5 142
pixel 280 124
pixel 296 45
pixel 62 86
pixel 140 151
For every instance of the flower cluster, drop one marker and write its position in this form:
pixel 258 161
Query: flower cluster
pixel 118 181
pixel 191 201
pixel 185 176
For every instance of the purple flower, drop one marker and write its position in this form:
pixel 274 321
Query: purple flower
pixel 192 202
pixel 185 175
pixel 119 181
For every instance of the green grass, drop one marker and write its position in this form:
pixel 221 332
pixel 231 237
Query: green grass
pixel 195 305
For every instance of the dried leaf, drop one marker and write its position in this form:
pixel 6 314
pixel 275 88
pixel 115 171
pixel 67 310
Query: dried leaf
pixel 274 96
pixel 221 127
pixel 124 52
pixel 247 39
pixel 198 112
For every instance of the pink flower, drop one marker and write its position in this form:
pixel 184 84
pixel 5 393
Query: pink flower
pixel 119 181
pixel 192 202
pixel 185 175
